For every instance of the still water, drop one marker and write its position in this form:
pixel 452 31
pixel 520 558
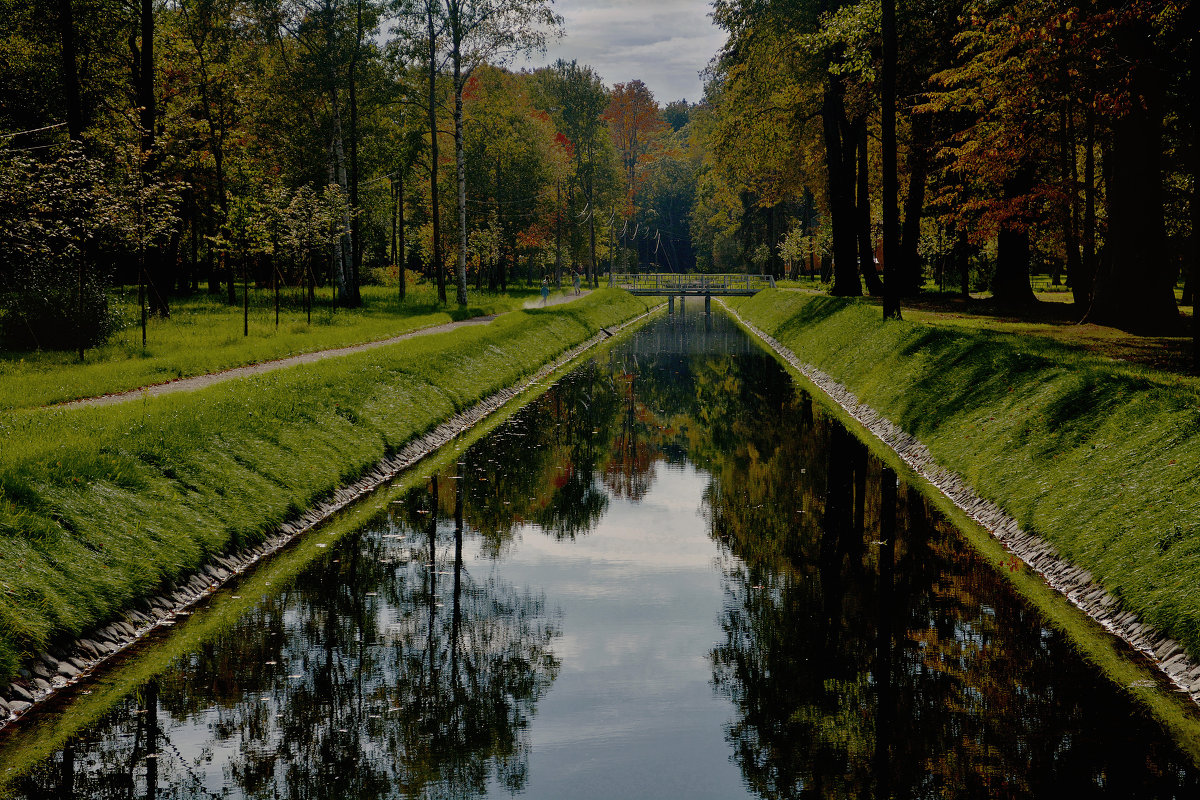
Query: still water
pixel 661 579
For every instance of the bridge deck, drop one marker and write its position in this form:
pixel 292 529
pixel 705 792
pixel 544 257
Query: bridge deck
pixel 691 285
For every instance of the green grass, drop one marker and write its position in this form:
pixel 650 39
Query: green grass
pixel 101 506
pixel 204 334
pixel 1098 457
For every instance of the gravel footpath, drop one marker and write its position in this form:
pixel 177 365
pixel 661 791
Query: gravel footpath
pixel 204 381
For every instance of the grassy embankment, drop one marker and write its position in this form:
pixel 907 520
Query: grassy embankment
pixel 100 506
pixel 1098 457
pixel 204 334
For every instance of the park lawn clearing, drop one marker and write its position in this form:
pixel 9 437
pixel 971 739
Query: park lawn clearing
pixel 100 507
pixel 204 335
pixel 1100 458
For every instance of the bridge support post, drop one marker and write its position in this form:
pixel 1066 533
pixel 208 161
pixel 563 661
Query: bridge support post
pixel 681 299
pixel 670 304
pixel 708 304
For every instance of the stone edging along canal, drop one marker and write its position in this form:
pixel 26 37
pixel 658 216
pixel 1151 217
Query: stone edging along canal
pixel 59 667
pixel 1074 582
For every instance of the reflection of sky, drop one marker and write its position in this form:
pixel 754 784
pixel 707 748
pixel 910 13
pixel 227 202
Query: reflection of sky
pixel 632 713
pixel 665 43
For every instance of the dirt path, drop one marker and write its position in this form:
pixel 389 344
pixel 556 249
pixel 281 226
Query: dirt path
pixel 204 381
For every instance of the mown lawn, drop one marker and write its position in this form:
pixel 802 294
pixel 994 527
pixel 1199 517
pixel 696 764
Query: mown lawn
pixel 204 334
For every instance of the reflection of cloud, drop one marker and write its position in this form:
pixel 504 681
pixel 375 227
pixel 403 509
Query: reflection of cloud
pixel 665 43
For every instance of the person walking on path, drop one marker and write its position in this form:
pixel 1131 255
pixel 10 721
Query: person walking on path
pixel 545 290
pixel 576 281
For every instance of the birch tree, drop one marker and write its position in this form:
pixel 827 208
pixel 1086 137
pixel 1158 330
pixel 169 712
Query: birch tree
pixel 478 32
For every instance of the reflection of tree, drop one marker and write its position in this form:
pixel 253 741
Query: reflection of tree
pixel 600 432
pixel 854 678
pixel 629 470
pixel 386 670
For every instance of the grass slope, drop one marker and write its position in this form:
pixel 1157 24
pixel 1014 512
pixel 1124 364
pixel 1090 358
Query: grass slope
pixel 204 334
pixel 1100 458
pixel 101 506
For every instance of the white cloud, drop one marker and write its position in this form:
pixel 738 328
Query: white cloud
pixel 664 43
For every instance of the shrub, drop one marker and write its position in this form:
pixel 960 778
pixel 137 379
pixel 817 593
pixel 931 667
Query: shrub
pixel 48 312
pixel 55 217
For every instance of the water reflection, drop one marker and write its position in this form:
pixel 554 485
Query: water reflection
pixel 670 575
pixel 899 666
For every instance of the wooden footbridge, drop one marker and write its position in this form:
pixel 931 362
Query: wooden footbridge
pixel 690 285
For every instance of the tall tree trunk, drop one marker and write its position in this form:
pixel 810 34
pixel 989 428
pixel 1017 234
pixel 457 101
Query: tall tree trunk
pixel 1010 282
pixel 193 230
pixel 558 235
pixel 774 260
pixel 393 258
pixel 962 258
pixel 1135 284
pixel 1083 284
pixel 217 132
pixel 354 297
pixel 1193 20
pixel 499 227
pixel 70 77
pixel 460 163
pixel 866 249
pixel 70 70
pixel 841 202
pixel 1070 178
pixel 911 277
pixel 341 254
pixel 159 270
pixel 592 276
pixel 401 248
pixel 435 211
pixel 145 89
pixel 892 267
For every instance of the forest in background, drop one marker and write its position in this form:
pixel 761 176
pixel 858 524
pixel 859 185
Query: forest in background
pixel 218 145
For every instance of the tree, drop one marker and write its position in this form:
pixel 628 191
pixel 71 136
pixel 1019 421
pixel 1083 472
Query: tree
pixel 818 101
pixel 510 161
pixel 330 38
pixel 575 98
pixel 480 31
pixel 891 226
pixel 1135 284
pixel 634 118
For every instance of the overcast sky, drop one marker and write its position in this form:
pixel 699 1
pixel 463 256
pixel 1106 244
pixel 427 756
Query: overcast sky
pixel 665 43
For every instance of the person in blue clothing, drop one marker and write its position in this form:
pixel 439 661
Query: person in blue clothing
pixel 576 281
pixel 545 290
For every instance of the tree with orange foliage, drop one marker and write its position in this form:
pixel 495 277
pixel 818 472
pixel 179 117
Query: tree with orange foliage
pixel 636 123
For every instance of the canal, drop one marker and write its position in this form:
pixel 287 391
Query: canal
pixel 663 578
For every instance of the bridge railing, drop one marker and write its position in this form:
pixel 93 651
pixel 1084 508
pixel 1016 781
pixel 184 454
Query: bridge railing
pixel 672 282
